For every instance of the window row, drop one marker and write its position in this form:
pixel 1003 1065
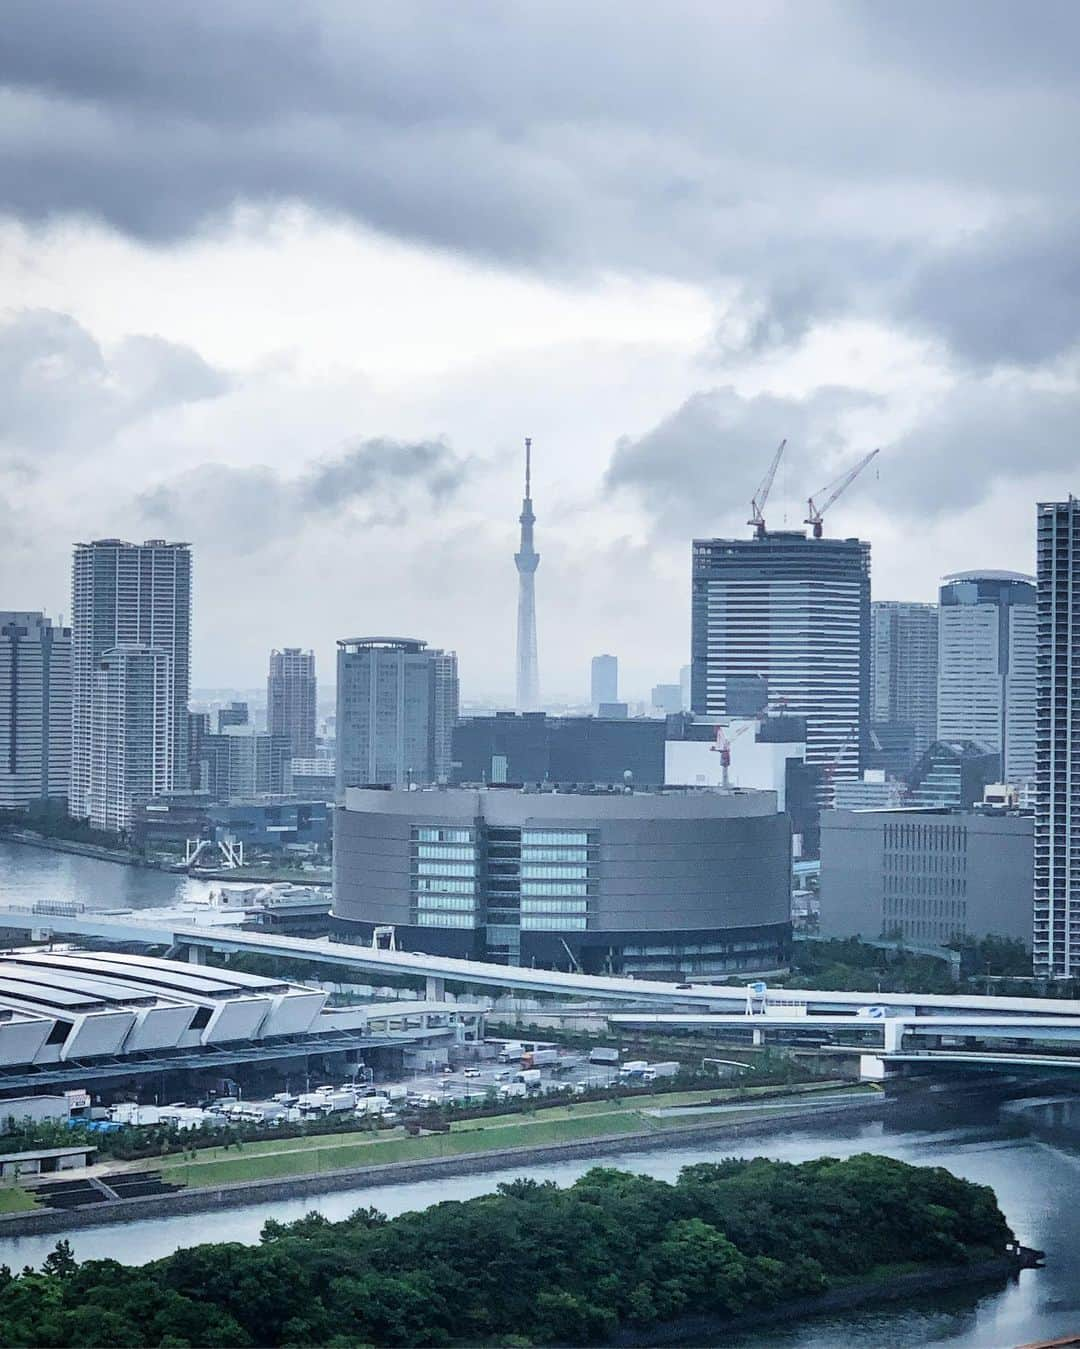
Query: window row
pixel 533 872
pixel 554 854
pixel 446 868
pixel 554 906
pixel 554 888
pixel 442 886
pixel 554 836
pixel 541 923
pixel 433 835
pixel 446 903
pixel 450 853
pixel 424 919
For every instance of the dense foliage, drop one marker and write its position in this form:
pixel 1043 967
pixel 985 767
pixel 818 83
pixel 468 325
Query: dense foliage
pixel 852 965
pixel 530 1264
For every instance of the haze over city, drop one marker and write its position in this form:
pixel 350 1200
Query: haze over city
pixel 302 310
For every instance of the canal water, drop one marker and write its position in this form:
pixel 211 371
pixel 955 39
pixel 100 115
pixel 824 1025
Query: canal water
pixel 1037 1182
pixel 1037 1185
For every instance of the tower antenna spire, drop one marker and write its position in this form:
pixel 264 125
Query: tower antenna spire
pixel 527 559
pixel 528 466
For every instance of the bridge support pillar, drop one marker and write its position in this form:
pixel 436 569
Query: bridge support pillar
pixel 434 988
pixel 757 1036
pixel 196 955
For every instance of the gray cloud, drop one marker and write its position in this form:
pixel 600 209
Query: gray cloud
pixel 696 470
pixel 818 158
pixel 240 510
pixel 1011 294
pixel 59 389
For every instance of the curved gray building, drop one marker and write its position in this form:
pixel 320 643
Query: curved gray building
pixel 668 884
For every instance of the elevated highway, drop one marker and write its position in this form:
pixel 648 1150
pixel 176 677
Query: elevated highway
pixel 808 1006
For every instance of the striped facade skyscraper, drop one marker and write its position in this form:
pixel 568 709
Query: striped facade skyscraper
pixel 904 674
pixel 291 699
pixel 35 710
pixel 783 620
pixel 1056 937
pixel 129 594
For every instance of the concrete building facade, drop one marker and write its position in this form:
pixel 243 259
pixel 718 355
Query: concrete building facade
pixel 927 876
pixel 986 665
pixel 132 705
pixel 127 594
pixel 1057 777
pixel 243 762
pixel 35 710
pixel 291 698
pixel 669 884
pixel 397 703
pixel 784 620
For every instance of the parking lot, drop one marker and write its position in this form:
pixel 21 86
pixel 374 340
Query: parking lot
pixel 478 1080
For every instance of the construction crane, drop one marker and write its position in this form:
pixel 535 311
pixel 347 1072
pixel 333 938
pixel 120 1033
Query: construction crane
pixel 761 496
pixel 814 512
pixel 722 746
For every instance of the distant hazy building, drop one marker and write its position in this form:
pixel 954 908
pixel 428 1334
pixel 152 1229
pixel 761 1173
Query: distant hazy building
pixel 235 714
pixel 953 773
pixel 925 876
pixel 986 665
pixel 536 748
pixel 903 679
pixel 604 680
pixel 198 730
pixel 397 702
pixel 312 778
pixel 684 688
pixel 291 699
pixel 132 705
pixel 126 594
pixel 875 791
pixel 667 699
pixel 1057 778
pixel 784 620
pixel 35 710
pixel 243 762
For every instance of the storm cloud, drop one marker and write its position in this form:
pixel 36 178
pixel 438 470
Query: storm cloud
pixel 825 159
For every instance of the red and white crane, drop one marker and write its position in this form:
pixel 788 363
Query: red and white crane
pixel 814 512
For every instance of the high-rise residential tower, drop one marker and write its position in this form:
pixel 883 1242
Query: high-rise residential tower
pixel 35 710
pixel 291 698
pixel 527 559
pixel 397 702
pixel 782 620
pixel 904 677
pixel 131 732
pixel 604 680
pixel 127 594
pixel 986 665
pixel 1056 938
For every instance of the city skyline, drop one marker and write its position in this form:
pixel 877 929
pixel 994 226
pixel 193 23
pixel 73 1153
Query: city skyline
pixel 674 317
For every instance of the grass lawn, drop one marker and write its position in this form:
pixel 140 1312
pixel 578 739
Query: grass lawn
pixel 556 1124
pixel 15 1199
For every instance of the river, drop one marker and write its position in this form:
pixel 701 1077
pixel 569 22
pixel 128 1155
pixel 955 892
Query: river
pixel 1037 1184
pixel 29 874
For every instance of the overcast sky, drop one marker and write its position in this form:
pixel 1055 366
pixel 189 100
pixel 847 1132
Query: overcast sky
pixel 294 282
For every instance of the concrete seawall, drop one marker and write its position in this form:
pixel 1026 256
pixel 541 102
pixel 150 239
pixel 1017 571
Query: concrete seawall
pixel 239 1194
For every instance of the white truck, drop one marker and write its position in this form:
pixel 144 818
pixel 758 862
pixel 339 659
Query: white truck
pixel 670 1068
pixel 373 1105
pixel 529 1077
pixel 509 1089
pixel 633 1068
pixel 513 1049
pixel 607 1057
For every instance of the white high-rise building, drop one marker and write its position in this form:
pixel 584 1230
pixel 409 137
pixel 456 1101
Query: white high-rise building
pixel 131 732
pixel 1056 937
pixel 126 594
pixel 986 666
pixel 291 699
pixel 35 710
pixel 782 620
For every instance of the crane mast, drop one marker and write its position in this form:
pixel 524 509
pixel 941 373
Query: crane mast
pixel 814 512
pixel 761 496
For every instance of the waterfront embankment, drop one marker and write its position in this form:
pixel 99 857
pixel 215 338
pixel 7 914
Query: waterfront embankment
pixel 210 1198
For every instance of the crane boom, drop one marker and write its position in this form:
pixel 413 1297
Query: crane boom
pixel 814 512
pixel 761 496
